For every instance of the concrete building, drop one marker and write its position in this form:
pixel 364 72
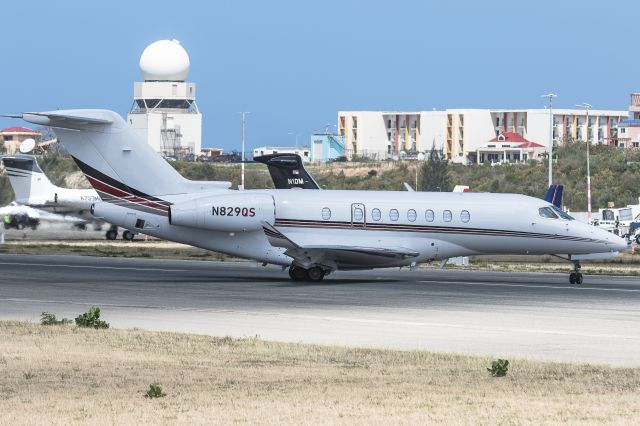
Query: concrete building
pixel 326 147
pixel 459 133
pixel 12 137
pixel 164 111
pixel 304 152
pixel 629 130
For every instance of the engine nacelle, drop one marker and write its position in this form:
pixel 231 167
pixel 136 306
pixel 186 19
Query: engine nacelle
pixel 234 212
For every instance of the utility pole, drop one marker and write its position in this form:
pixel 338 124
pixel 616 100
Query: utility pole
pixel 241 186
pixel 550 96
pixel 587 107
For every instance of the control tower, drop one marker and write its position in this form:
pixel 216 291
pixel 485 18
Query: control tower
pixel 164 110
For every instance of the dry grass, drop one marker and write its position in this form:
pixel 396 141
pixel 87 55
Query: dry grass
pixel 65 375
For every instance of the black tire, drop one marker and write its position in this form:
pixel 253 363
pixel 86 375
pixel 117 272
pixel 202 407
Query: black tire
pixel 20 226
pixel 111 235
pixel 128 235
pixel 579 278
pixel 315 274
pixel 638 239
pixel 297 273
pixel 572 278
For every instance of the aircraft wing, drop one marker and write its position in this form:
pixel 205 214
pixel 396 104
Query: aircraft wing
pixel 389 252
pixel 344 255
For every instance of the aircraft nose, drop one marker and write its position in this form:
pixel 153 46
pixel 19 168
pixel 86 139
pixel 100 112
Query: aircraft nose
pixel 617 243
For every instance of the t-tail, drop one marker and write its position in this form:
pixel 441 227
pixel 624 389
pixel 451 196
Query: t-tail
pixel 287 171
pixel 554 195
pixel 118 163
pixel 30 185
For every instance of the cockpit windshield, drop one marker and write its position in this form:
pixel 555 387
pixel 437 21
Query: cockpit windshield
pixel 553 212
pixel 547 212
pixel 562 213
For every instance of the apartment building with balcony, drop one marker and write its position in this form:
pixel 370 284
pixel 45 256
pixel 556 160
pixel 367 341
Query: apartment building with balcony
pixel 458 133
pixel 628 135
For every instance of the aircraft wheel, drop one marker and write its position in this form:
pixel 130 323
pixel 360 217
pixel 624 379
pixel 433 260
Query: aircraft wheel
pixel 128 235
pixel 297 273
pixel 572 278
pixel 315 274
pixel 111 234
pixel 578 278
pixel 638 239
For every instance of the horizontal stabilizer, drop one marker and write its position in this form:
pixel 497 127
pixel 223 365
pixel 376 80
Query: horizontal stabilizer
pixel 67 120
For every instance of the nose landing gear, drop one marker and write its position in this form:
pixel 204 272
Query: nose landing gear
pixel 576 276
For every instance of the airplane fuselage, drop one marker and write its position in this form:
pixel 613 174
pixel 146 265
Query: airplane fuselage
pixel 433 225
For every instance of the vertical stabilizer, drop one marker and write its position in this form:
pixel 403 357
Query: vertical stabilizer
pixel 554 195
pixel 117 162
pixel 29 183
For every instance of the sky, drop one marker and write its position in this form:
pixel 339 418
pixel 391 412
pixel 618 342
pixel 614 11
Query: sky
pixel 294 64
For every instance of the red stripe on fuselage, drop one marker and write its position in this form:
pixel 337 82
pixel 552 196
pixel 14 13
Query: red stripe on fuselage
pixel 101 186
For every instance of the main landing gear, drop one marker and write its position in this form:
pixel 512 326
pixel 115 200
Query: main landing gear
pixel 313 274
pixel 576 276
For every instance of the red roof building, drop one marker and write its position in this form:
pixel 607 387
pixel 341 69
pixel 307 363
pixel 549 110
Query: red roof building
pixel 509 147
pixel 12 137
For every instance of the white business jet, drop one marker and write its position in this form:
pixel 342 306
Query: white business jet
pixel 312 232
pixel 32 188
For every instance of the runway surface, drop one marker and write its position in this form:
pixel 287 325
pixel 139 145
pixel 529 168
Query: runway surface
pixel 533 315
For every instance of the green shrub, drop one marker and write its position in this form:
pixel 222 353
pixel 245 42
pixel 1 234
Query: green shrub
pixel 47 318
pixel 155 391
pixel 499 368
pixel 91 319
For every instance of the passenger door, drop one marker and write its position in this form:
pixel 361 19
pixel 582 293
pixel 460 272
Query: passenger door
pixel 358 215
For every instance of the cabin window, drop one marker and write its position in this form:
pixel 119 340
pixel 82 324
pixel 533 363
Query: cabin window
pixel 394 215
pixel 358 214
pixel 326 213
pixel 446 215
pixel 547 212
pixel 429 216
pixel 411 215
pixel 465 216
pixel 375 214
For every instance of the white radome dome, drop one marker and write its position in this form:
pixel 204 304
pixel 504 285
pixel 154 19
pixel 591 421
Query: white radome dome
pixel 164 60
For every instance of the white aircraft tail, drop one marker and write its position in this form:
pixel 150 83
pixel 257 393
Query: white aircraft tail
pixel 115 160
pixel 30 185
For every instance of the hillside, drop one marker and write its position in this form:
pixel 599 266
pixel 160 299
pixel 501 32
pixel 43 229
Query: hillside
pixel 615 175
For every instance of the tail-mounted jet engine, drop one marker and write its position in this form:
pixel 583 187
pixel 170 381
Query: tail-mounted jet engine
pixel 237 212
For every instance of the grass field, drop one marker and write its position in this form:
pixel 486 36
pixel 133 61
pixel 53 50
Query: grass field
pixel 66 375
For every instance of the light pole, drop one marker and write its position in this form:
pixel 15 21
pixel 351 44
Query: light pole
pixel 550 96
pixel 296 136
pixel 241 187
pixel 587 107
